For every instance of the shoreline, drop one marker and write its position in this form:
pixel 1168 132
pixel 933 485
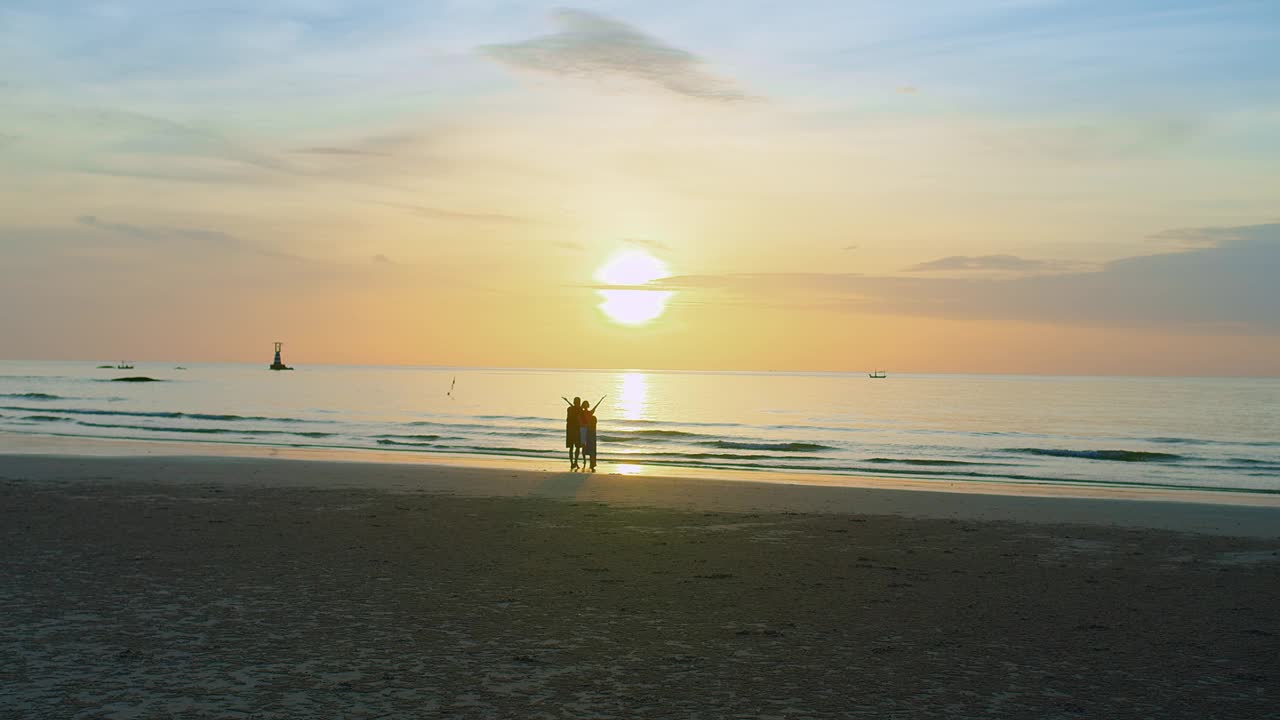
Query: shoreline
pixel 308 585
pixel 44 459
pixel 77 446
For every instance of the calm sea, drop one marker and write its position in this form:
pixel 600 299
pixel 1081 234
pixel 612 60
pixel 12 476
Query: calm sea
pixel 1207 433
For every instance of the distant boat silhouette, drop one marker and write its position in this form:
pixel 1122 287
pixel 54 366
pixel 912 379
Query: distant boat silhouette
pixel 877 374
pixel 124 366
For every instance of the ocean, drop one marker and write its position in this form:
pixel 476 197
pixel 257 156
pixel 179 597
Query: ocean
pixel 1183 433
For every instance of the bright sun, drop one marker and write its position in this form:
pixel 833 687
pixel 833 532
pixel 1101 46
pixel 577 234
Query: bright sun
pixel 628 305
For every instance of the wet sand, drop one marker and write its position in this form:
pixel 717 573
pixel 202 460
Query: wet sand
pixel 157 587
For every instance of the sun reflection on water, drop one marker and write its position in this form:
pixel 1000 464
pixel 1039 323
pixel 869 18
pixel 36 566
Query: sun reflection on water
pixel 633 395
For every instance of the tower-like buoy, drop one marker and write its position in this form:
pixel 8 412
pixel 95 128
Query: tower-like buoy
pixel 278 364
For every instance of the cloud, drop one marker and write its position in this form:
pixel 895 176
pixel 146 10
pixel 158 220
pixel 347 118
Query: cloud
pixel 1225 288
pixel 1005 263
pixel 1213 235
pixel 149 136
pixel 206 238
pixel 850 247
pixel 649 244
pixel 443 214
pixel 119 143
pixel 591 46
pixel 1105 141
pixel 337 151
pixel 569 245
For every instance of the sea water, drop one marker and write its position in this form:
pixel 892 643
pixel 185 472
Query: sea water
pixel 1191 433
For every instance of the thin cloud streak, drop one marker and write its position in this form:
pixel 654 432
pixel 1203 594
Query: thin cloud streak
pixel 206 238
pixel 1212 235
pixel 337 151
pixel 648 244
pixel 436 213
pixel 1107 141
pixel 1001 263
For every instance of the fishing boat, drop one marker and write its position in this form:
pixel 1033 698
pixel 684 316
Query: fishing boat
pixel 876 374
pixel 124 366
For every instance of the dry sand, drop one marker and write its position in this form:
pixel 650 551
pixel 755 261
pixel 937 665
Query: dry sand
pixel 196 587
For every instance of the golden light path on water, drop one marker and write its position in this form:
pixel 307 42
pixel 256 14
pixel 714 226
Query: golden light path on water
pixel 632 305
pixel 633 400
pixel 633 391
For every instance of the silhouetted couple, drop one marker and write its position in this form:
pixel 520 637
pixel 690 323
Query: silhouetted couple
pixel 580 432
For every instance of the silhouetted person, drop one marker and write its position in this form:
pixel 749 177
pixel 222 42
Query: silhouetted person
pixel 588 435
pixel 583 408
pixel 573 432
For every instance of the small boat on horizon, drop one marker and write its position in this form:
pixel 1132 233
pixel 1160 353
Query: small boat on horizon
pixel 876 374
pixel 124 366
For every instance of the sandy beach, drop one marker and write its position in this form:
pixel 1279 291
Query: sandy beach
pixel 139 587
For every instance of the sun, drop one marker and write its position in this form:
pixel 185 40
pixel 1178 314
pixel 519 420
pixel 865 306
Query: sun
pixel 633 307
pixel 630 304
pixel 631 267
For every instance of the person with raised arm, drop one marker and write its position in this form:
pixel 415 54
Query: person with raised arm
pixel 588 423
pixel 573 430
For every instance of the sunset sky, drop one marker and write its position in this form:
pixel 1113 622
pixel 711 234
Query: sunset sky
pixel 988 186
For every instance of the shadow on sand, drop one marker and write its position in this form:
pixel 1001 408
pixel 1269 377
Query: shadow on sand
pixel 562 485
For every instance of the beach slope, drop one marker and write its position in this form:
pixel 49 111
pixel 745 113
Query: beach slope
pixel 275 589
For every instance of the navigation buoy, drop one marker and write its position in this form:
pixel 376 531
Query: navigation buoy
pixel 277 364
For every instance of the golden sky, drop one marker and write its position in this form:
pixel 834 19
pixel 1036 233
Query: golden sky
pixel 1003 187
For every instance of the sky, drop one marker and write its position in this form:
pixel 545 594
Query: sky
pixel 1002 186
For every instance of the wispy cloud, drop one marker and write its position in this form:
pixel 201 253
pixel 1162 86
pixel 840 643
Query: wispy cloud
pixel 647 244
pixel 436 213
pixel 151 136
pixel 337 151
pixel 1106 139
pixel 1214 235
pixel 1001 263
pixel 214 239
pixel 118 143
pixel 591 46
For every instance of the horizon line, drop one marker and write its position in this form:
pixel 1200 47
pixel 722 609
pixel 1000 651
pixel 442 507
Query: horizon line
pixel 740 371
